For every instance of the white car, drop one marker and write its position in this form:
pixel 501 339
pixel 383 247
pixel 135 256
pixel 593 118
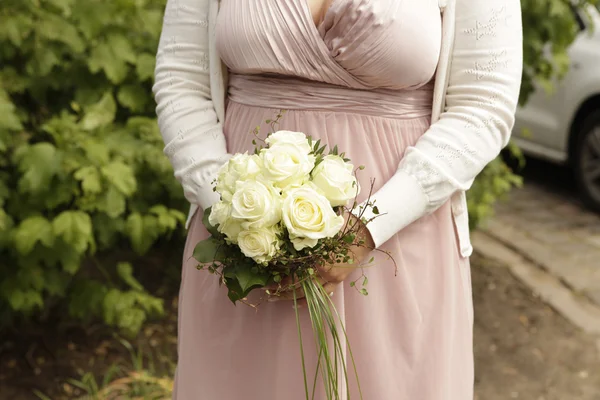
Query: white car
pixel 564 127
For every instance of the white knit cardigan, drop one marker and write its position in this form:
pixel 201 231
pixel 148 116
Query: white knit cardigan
pixel 475 98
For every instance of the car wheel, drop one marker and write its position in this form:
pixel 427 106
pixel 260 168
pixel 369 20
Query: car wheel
pixel 587 161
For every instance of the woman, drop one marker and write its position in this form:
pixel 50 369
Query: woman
pixel 421 92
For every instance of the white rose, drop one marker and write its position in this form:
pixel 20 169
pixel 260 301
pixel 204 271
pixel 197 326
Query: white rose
pixel 259 244
pixel 335 178
pixel 298 139
pixel 308 217
pixel 220 216
pixel 245 166
pixel 286 165
pixel 219 213
pixel 257 203
pixel 239 167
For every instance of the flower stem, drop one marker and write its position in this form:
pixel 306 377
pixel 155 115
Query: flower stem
pixel 301 345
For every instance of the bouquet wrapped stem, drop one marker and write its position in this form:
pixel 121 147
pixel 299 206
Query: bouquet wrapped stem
pixel 278 225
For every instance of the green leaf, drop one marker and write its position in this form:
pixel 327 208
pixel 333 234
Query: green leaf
pixel 102 59
pixel 249 280
pixel 107 230
pixel 121 176
pixel 96 151
pixel 134 97
pixel 234 292
pixel 122 48
pixel 75 228
pixel 46 59
pixel 89 177
pixel 25 300
pixel 168 220
pixel 100 114
pixel 113 203
pixel 206 251
pixel 349 238
pixel 211 229
pixel 9 119
pixel 31 231
pixel 38 164
pixel 145 66
pixel 143 231
pixel 70 260
pixel 55 28
pixel 125 271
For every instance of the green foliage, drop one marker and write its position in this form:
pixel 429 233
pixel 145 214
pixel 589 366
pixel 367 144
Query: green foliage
pixel 82 174
pixel 549 28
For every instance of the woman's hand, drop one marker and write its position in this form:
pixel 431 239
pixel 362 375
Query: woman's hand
pixel 331 275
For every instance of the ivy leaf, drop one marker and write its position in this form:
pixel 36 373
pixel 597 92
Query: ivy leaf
pixel 207 251
pixel 33 230
pixel 235 292
pixel 121 176
pixel 89 177
pixel 249 280
pixel 125 272
pixel 100 114
pixel 75 228
pixel 134 97
pixel 38 164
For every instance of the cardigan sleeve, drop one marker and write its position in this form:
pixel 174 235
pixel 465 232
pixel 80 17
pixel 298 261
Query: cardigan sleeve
pixel 193 136
pixel 481 100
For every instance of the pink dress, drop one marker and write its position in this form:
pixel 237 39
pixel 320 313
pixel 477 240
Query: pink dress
pixel 361 79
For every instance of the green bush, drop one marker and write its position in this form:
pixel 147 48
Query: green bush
pixel 81 166
pixel 82 176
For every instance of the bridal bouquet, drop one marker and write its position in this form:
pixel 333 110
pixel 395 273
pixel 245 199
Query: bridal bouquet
pixel 279 222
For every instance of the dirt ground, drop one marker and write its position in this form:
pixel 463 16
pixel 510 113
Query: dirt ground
pixel 523 349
